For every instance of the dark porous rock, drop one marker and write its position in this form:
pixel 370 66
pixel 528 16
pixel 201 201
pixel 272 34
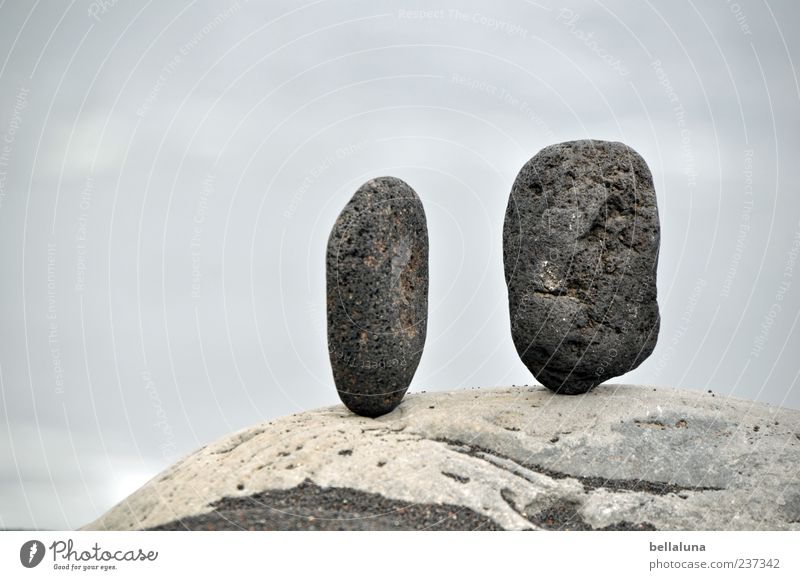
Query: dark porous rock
pixel 377 278
pixel 580 246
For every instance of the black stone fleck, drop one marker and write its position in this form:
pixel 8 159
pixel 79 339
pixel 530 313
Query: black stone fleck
pixel 565 516
pixel 456 477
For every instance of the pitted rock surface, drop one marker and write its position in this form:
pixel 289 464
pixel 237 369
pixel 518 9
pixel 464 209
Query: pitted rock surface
pixel 620 457
pixel 377 285
pixel 580 247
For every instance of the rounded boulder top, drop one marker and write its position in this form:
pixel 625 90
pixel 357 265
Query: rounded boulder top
pixel 377 295
pixel 580 247
pixel 625 457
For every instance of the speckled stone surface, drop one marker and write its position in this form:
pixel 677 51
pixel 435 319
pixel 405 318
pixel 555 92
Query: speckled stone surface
pixel 377 284
pixel 618 457
pixel 580 246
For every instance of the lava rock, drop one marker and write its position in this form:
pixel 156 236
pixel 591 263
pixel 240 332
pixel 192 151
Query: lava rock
pixel 377 283
pixel 580 248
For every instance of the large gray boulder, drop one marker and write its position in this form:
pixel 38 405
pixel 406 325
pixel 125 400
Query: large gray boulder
pixel 580 246
pixel 618 457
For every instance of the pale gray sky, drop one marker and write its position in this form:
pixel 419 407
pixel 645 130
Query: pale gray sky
pixel 169 173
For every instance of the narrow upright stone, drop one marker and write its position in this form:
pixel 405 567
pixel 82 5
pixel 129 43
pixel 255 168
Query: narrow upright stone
pixel 580 246
pixel 377 279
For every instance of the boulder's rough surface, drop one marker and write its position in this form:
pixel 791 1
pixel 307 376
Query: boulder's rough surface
pixel 580 246
pixel 377 279
pixel 618 457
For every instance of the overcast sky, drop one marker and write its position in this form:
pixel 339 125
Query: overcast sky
pixel 169 174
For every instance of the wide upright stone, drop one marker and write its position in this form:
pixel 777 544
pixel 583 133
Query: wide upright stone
pixel 580 246
pixel 377 279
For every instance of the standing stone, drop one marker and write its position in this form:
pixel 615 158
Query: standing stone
pixel 377 278
pixel 580 247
